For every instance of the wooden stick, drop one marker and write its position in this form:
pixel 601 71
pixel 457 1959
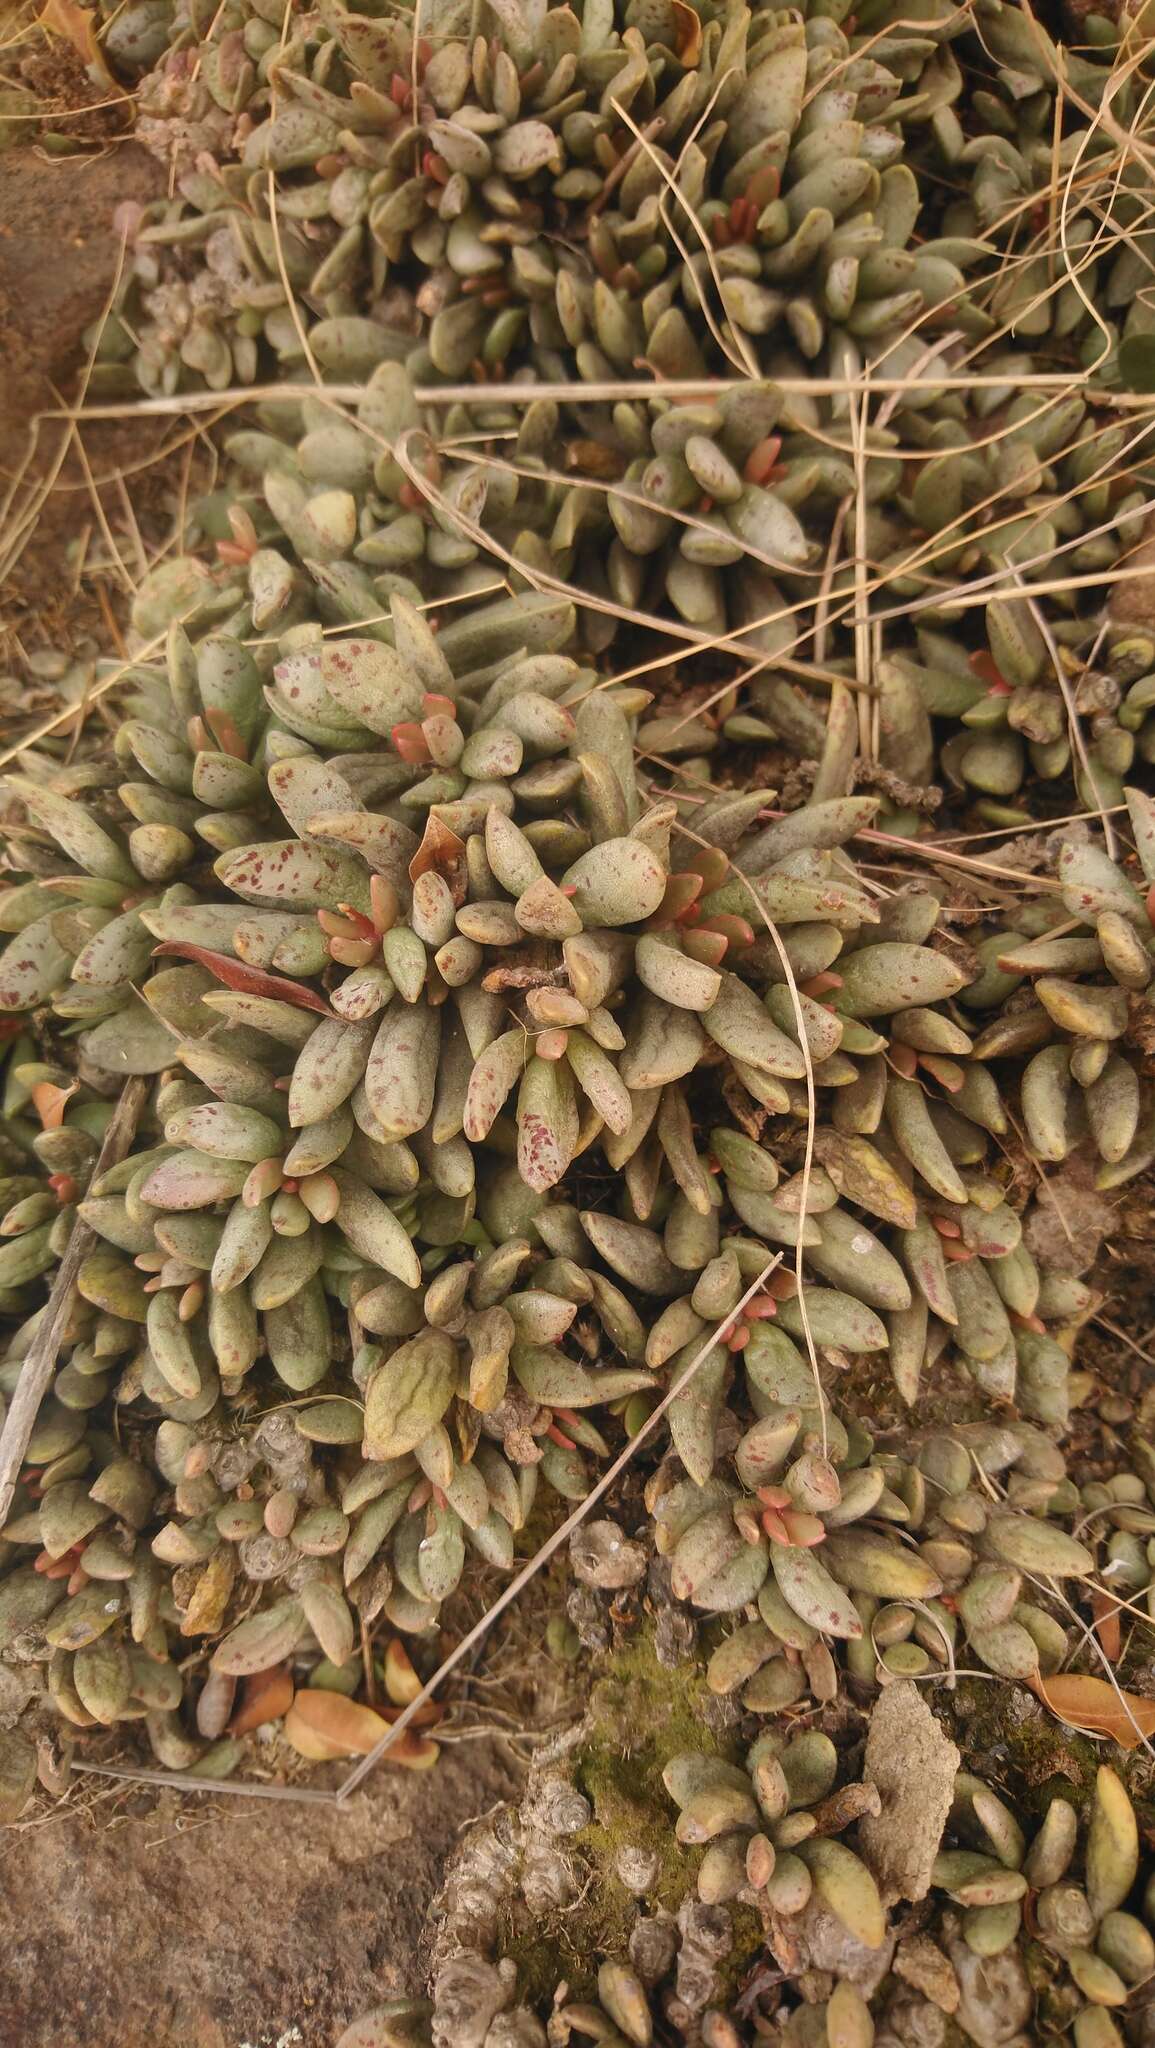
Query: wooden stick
pixel 627 388
pixel 45 1346
pixel 186 1781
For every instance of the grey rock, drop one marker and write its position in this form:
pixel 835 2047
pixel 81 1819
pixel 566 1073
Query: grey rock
pixel 913 1765
pixel 467 1998
pixel 825 1944
pixel 603 1556
pixel 996 1998
pixel 653 1943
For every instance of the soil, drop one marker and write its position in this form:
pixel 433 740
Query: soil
pixel 217 1923
pixel 58 262
pixel 58 257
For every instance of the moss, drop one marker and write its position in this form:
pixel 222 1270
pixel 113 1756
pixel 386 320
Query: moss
pixel 749 1944
pixel 1021 1746
pixel 542 1961
pixel 640 1715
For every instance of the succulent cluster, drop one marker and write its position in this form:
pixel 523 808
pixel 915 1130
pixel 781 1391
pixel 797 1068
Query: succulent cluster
pixel 773 1826
pixel 537 1025
pixel 860 1959
pixel 583 196
pixel 493 966
pixel 707 162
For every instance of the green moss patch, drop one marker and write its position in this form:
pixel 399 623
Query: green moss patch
pixel 641 1714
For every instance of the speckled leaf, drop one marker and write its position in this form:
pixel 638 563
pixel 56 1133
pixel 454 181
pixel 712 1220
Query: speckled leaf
pixel 267 1637
pixel 401 1075
pixel 619 882
pixel 693 1414
pixel 276 873
pixel 328 1068
pixel 492 1078
pixel 33 964
pixel 373 1230
pixel 807 1587
pixel 878 980
pixel 371 682
pixel 737 1022
pixel 547 1123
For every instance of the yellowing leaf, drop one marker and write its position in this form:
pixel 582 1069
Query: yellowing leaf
pixel 688 42
pixel 413 1752
pixel 401 1681
pixel 266 1696
pixel 205 1612
pixel 50 1103
pixel 1097 1707
pixel 323 1725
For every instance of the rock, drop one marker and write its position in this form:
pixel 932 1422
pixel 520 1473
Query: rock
pixel 603 1556
pixel 995 1998
pixel 825 1944
pixel 467 1997
pixel 913 1764
pixel 652 1945
pixel 921 1962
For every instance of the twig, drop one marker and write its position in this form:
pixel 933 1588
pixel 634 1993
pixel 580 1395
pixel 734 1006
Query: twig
pixel 613 179
pixel 44 1348
pixel 184 1781
pixel 926 849
pixel 610 389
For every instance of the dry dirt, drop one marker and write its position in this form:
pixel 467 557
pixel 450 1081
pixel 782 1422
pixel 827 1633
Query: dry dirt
pixel 58 259
pixel 216 1923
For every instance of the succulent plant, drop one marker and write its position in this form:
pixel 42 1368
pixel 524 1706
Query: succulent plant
pixel 483 901
pixel 445 172
pixel 525 1042
pixel 848 190
pixel 773 1833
